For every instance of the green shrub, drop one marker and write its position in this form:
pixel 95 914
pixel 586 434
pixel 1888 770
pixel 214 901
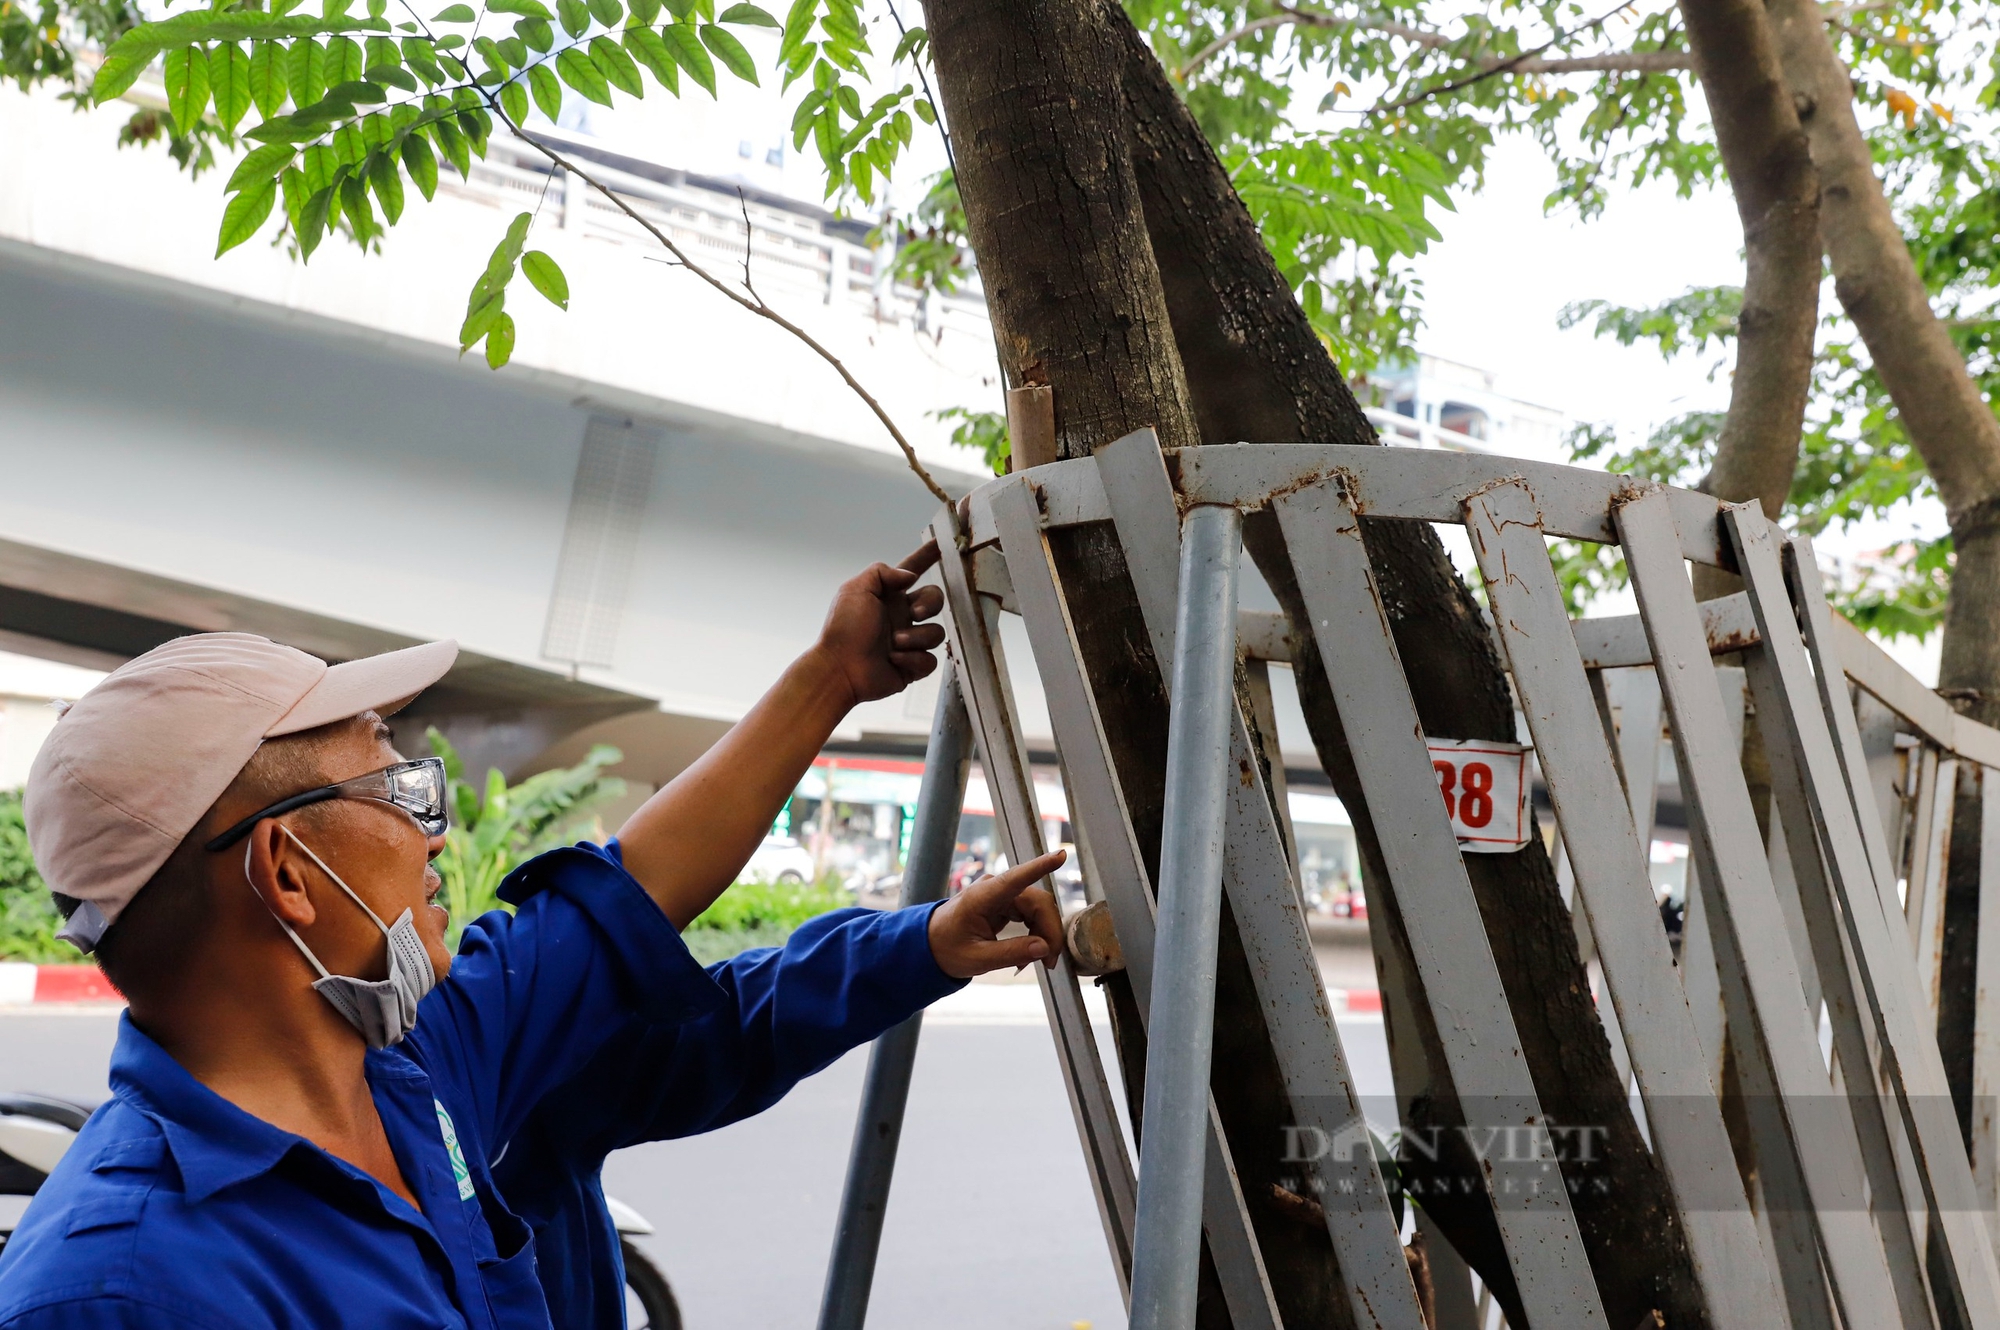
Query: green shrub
pixel 776 905
pixel 759 914
pixel 28 917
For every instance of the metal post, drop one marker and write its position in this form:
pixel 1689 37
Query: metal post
pixel 1167 1241
pixel 878 1129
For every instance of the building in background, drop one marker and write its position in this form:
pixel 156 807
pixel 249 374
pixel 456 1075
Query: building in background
pixel 1438 403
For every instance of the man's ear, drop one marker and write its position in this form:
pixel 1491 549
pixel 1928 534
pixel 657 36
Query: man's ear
pixel 277 874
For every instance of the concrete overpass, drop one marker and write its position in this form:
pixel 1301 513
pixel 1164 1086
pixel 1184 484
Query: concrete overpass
pixel 630 529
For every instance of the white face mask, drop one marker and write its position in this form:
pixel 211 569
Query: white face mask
pixel 383 1010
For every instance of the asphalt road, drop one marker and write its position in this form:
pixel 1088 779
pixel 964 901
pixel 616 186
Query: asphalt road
pixel 991 1224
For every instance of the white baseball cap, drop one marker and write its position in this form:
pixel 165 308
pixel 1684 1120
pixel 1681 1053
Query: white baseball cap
pixel 135 764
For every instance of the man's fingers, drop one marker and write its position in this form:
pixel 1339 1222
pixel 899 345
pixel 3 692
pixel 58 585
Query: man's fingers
pixel 1038 911
pixel 922 557
pixel 1008 951
pixel 924 638
pixel 895 579
pixel 925 602
pixel 1027 874
pixel 912 665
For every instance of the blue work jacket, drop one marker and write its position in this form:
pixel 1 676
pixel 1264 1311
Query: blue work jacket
pixel 578 1025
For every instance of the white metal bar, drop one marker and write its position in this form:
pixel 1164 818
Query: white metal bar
pixel 1895 1193
pixel 1434 897
pixel 1923 838
pixel 1887 969
pixel 1180 1040
pixel 1749 925
pixel 1609 859
pixel 1271 926
pixel 975 646
pixel 1936 849
pixel 1986 1010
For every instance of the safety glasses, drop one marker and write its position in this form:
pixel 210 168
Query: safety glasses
pixel 418 788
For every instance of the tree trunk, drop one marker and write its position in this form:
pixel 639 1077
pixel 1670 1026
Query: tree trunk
pixel 1777 197
pixel 1030 89
pixel 1058 220
pixel 1256 371
pixel 1953 428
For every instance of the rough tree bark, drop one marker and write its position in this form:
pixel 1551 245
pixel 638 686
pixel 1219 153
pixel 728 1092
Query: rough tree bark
pixel 1777 197
pixel 1030 90
pixel 1057 217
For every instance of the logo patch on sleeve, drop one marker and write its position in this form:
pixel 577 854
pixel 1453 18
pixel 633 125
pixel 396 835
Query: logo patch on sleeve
pixel 459 1172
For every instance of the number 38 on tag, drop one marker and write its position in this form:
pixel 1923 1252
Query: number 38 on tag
pixel 1485 790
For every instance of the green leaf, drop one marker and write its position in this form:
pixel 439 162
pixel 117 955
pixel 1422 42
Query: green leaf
pixel 355 207
pixel 292 186
pixel 129 56
pixel 187 86
pixel 261 163
pixel 644 12
pixel 686 50
pixel 378 51
pixel 536 32
pixel 514 101
pixel 357 93
pixel 343 61
pixel 500 267
pixel 925 111
pixel 515 50
pixel 454 14
pixel 547 90
pixel 577 71
pixel 422 165
pixel 525 8
pixel 546 276
pixel 305 71
pixel 313 221
pixel 616 66
pixel 680 9
pixel 229 83
pixel 482 309
pixel 418 55
pixel 393 75
pixel 453 145
pixel 321 167
pixel 245 213
pixel 500 341
pixel 913 38
pixel 267 78
pixel 645 46
pixel 729 51
pixel 388 185
pixel 798 26
pixel 746 13
pixel 575 16
pixel 608 12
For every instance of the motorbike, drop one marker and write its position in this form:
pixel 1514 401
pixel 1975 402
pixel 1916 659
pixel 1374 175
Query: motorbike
pixel 36 1131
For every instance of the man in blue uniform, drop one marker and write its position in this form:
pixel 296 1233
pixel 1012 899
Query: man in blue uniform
pixel 320 1117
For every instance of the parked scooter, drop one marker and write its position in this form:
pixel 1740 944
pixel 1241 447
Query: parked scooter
pixel 36 1130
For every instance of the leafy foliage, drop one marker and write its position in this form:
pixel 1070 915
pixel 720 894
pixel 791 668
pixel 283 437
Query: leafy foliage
pixel 496 828
pixel 759 914
pixel 28 916
pixel 983 430
pixel 344 114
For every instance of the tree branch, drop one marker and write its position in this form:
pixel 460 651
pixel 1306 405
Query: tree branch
pixel 1620 62
pixel 752 302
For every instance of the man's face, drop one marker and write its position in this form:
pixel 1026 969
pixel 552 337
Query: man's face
pixel 378 850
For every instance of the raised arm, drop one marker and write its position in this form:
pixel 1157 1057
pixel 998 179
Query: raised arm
pixel 687 843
